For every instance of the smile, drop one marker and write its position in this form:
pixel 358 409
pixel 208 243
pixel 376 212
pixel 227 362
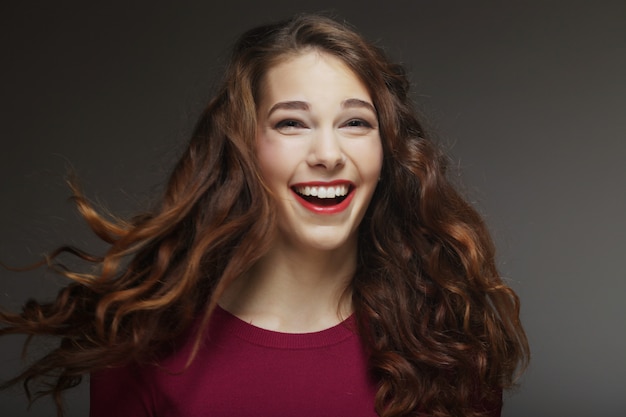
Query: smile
pixel 323 192
pixel 324 198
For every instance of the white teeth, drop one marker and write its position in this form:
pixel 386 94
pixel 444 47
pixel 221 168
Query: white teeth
pixel 323 192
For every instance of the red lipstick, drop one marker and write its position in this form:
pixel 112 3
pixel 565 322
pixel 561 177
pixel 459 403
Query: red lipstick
pixel 324 205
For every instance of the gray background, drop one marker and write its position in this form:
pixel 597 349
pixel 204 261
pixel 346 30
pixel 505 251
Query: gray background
pixel 528 97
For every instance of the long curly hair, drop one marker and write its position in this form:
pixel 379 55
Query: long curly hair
pixel 441 328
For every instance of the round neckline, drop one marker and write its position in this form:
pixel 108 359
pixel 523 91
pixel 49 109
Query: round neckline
pixel 226 321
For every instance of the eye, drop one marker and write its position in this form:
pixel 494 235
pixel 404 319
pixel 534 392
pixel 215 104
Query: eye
pixel 358 123
pixel 289 124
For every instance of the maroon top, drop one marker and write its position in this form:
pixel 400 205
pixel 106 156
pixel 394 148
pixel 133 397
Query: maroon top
pixel 242 370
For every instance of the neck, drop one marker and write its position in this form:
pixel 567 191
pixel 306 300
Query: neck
pixel 294 291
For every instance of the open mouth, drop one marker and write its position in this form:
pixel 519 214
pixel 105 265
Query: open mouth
pixel 324 196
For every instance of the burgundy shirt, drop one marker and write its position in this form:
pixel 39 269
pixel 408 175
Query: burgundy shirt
pixel 242 370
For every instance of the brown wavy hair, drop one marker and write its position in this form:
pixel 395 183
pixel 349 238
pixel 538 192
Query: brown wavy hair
pixel 442 329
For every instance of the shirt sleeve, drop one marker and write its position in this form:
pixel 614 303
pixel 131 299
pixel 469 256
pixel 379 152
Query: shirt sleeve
pixel 119 392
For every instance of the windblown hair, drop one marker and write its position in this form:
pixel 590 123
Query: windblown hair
pixel 441 328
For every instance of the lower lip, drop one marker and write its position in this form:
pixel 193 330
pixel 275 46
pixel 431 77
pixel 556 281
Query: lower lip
pixel 338 208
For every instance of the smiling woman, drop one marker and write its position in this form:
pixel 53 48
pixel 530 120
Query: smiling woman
pixel 318 128
pixel 309 257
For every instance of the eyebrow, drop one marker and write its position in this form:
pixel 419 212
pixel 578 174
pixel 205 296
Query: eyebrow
pixel 358 103
pixel 302 105
pixel 289 105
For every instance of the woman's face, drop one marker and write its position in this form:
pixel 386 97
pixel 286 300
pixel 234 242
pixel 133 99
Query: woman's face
pixel 319 150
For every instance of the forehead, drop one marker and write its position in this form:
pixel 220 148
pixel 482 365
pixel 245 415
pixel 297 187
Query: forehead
pixel 312 74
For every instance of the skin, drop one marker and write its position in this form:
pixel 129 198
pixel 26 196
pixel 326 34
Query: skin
pixel 317 127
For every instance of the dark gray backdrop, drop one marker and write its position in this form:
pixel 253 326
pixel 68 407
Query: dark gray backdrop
pixel 528 97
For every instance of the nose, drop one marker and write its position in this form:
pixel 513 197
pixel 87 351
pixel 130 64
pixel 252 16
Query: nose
pixel 325 150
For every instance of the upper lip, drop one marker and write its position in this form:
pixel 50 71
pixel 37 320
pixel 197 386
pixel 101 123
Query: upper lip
pixel 323 183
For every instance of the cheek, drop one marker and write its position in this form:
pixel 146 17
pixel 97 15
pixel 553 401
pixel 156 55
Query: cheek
pixel 370 162
pixel 274 160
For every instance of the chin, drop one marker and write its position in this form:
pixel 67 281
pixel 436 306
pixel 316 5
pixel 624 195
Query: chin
pixel 329 243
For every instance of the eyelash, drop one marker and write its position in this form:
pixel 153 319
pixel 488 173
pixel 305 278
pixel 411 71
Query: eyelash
pixel 357 123
pixel 290 123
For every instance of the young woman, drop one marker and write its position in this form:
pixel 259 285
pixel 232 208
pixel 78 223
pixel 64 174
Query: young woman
pixel 308 257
